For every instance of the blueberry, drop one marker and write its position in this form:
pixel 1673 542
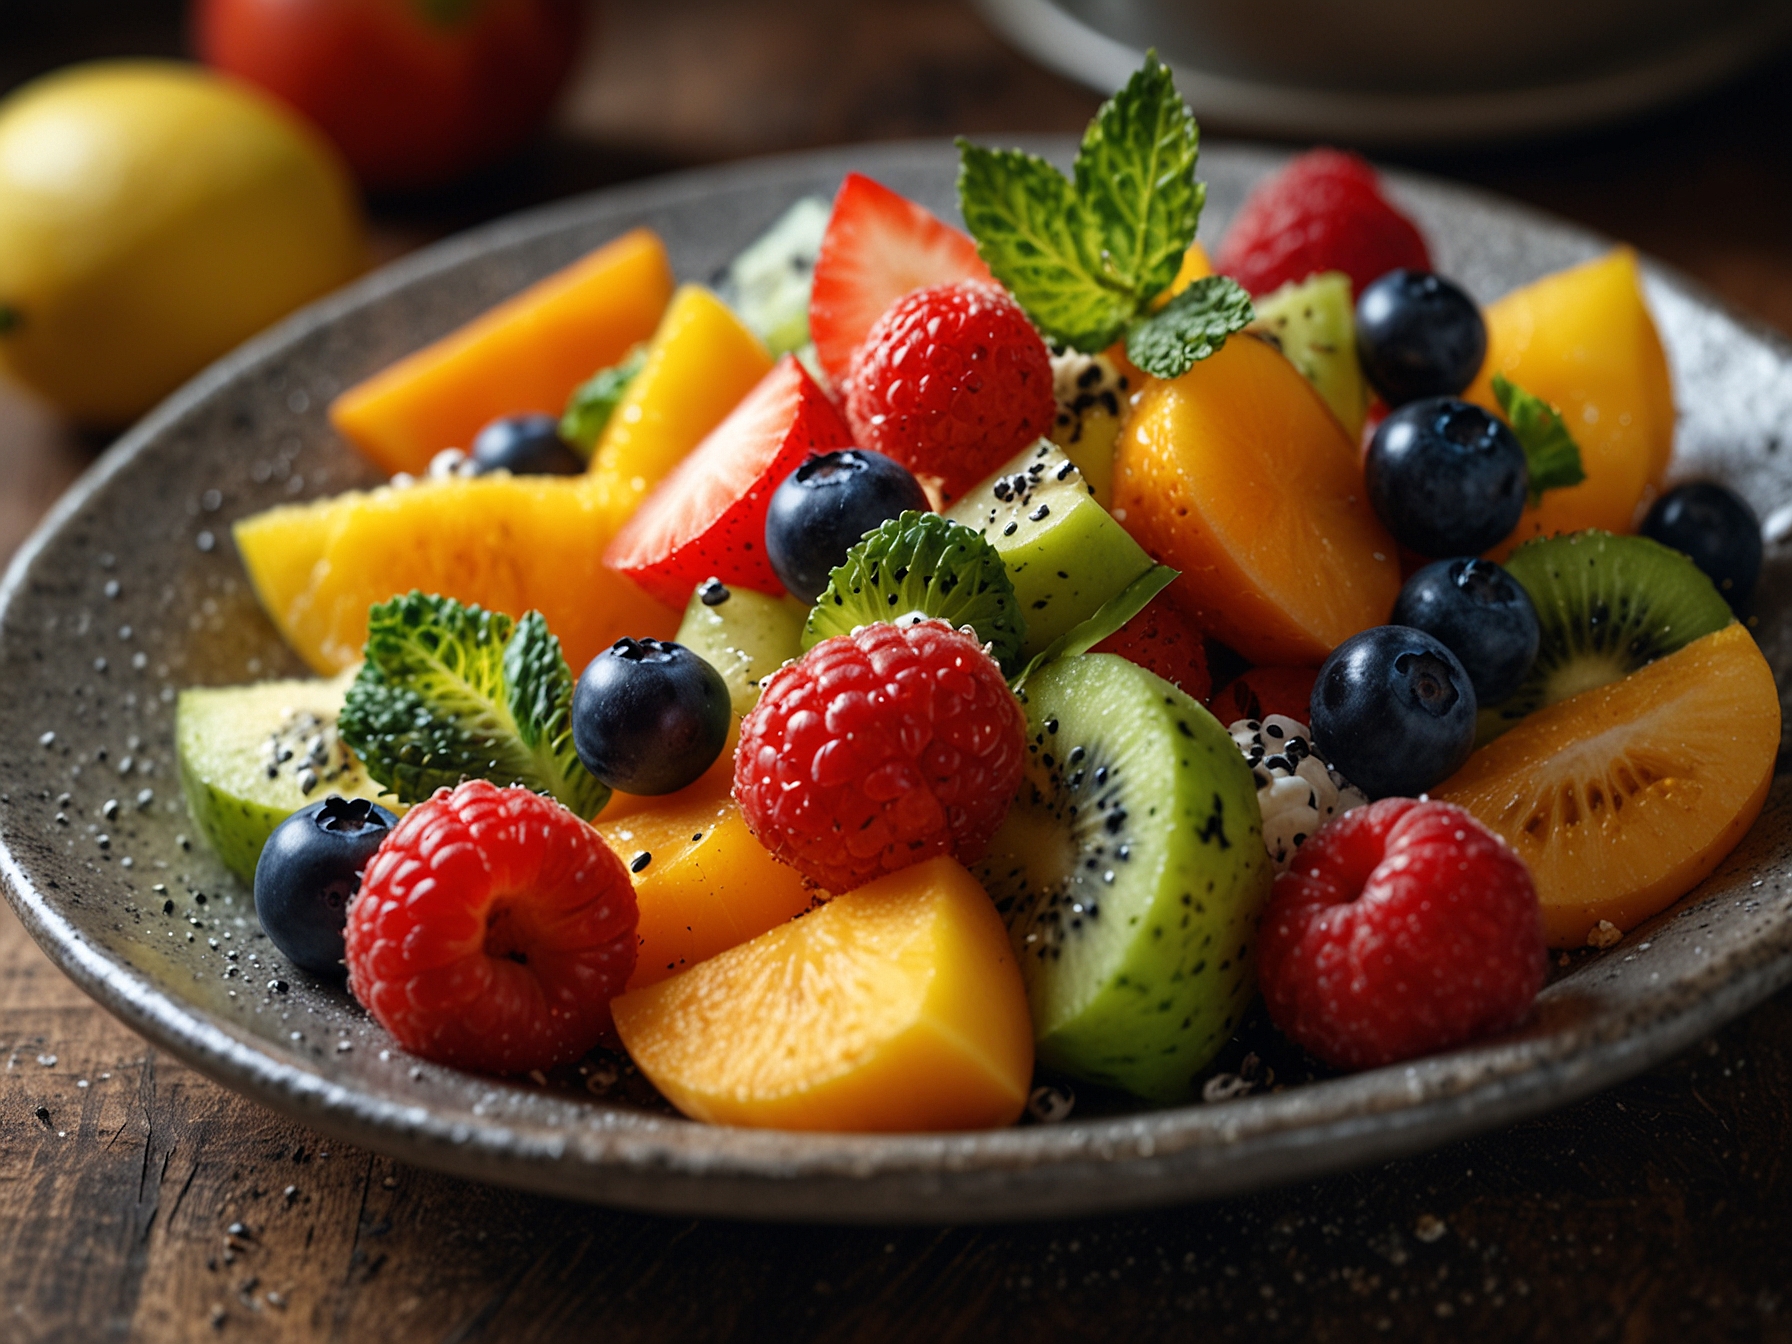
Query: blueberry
pixel 1714 528
pixel 1418 335
pixel 524 445
pixel 309 870
pixel 1394 711
pixel 825 506
pixel 1478 611
pixel 1446 477
pixel 649 716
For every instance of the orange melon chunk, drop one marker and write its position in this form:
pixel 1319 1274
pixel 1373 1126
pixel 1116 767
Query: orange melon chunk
pixel 509 543
pixel 526 354
pixel 1583 340
pixel 709 885
pixel 1623 798
pixel 1238 474
pixel 896 1007
pixel 702 361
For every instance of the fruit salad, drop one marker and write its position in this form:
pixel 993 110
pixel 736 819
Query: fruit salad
pixel 937 669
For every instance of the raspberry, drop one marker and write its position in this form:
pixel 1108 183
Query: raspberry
pixel 951 381
pixel 491 931
pixel 880 749
pixel 1323 212
pixel 1402 928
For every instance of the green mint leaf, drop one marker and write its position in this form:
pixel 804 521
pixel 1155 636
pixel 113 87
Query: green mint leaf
pixel 1025 218
pixel 922 564
pixel 450 692
pixel 1085 257
pixel 1108 619
pixel 1549 449
pixel 1135 182
pixel 594 401
pixel 1190 327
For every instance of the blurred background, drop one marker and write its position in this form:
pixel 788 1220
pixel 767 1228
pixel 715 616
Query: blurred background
pixel 1661 122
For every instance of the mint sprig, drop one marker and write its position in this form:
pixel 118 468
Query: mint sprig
pixel 449 692
pixel 1190 327
pixel 1550 451
pixel 1086 255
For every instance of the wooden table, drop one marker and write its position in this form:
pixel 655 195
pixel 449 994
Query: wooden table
pixel 139 1200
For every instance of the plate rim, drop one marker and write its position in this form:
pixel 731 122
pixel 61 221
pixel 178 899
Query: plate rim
pixel 1107 1164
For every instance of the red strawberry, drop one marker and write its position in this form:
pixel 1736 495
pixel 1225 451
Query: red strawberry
pixel 1161 639
pixel 878 246
pixel 1263 691
pixel 491 931
pixel 951 381
pixel 880 749
pixel 1323 212
pixel 1401 928
pixel 708 517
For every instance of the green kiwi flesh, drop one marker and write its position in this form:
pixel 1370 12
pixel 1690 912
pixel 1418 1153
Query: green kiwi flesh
pixel 768 283
pixel 1313 322
pixel 744 635
pixel 247 753
pixel 1607 605
pixel 1065 553
pixel 1130 871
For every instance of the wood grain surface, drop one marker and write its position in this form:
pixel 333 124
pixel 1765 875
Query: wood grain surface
pixel 140 1201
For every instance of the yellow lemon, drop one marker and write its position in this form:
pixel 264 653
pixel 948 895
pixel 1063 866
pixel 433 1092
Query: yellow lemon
pixel 153 215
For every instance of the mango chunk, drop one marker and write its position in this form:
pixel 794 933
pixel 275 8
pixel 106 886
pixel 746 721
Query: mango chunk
pixel 526 354
pixel 898 1007
pixel 1583 340
pixel 510 543
pixel 702 361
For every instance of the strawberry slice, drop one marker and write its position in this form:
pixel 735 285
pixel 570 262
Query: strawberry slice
pixel 878 247
pixel 707 519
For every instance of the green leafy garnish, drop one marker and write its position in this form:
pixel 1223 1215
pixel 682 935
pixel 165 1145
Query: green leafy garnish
pixel 1190 327
pixel 451 692
pixel 10 318
pixel 594 401
pixel 1549 449
pixel 927 565
pixel 1107 619
pixel 1086 255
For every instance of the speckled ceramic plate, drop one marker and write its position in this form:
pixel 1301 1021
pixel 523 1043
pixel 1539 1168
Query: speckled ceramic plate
pixel 131 590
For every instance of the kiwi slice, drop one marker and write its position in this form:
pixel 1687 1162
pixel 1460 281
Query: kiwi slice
pixel 1606 605
pixel 1065 553
pixel 768 283
pixel 1131 870
pixel 251 756
pixel 744 635
pixel 922 564
pixel 1091 393
pixel 1313 322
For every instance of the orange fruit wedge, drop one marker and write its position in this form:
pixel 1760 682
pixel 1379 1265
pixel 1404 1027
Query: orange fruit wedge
pixel 708 884
pixel 897 1007
pixel 1623 798
pixel 527 354
pixel 701 362
pixel 1238 474
pixel 1583 340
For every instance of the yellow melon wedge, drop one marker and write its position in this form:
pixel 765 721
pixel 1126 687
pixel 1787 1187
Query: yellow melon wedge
pixel 897 1007
pixel 1622 799
pixel 509 543
pixel 702 361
